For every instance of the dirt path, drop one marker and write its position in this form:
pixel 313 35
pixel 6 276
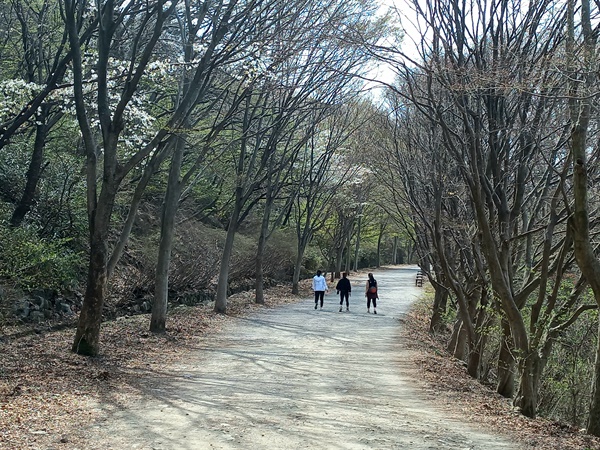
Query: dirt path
pixel 296 378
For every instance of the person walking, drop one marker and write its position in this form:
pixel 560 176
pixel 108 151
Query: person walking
pixel 319 285
pixel 344 288
pixel 371 293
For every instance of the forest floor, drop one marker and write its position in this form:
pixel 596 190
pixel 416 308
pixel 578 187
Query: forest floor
pixel 332 380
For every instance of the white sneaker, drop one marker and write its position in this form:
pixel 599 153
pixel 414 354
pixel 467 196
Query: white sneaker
pixel 347 309
pixel 321 308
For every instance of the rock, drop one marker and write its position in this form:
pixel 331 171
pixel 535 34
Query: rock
pixel 38 432
pixel 46 293
pixel 66 309
pixel 37 316
pixel 58 301
pixel 78 298
pixel 21 308
pixel 40 301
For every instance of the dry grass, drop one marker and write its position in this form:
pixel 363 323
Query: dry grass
pixel 450 386
pixel 47 393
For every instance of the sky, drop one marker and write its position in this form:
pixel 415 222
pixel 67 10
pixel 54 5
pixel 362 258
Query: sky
pixel 385 73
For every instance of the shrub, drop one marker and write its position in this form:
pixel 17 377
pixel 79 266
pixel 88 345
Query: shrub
pixel 368 255
pixel 566 387
pixel 281 256
pixel 31 262
pixel 313 260
pixel 194 261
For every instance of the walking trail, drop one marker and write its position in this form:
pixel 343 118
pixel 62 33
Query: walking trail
pixel 298 378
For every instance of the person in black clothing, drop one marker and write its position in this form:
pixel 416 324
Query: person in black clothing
pixel 343 288
pixel 371 293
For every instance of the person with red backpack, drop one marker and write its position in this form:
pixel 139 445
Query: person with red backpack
pixel 371 293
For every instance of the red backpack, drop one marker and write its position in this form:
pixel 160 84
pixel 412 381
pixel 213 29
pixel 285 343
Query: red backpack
pixel 372 287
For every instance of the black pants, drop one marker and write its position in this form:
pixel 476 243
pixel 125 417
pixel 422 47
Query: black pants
pixel 346 295
pixel 319 296
pixel 369 302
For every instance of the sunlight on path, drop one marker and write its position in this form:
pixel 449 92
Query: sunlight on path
pixel 294 377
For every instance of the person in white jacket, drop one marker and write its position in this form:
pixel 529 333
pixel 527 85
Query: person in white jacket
pixel 319 285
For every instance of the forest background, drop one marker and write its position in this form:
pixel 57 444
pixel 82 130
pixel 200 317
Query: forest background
pixel 174 152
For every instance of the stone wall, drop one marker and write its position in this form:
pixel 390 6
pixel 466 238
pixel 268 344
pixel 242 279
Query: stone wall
pixel 41 305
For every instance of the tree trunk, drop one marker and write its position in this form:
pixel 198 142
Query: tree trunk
pixel 357 244
pixel 302 243
pixel 34 173
pixel 526 400
pixel 498 262
pixel 259 283
pixel 506 364
pixel 339 259
pixel 223 284
pixel 260 254
pixel 440 301
pixel 347 265
pixel 134 204
pixel 296 276
pixel 474 362
pixel 478 344
pixel 410 253
pixel 481 345
pixel 454 336
pixel 593 424
pixel 379 239
pixel 461 351
pixel 580 105
pixel 87 336
pixel 167 231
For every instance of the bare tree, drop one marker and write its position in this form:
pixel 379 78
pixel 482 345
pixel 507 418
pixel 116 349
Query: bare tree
pixel 505 142
pixel 320 172
pixel 322 66
pixel 581 70
pixel 144 23
pixel 199 24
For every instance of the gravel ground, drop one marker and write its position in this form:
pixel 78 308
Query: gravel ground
pixel 276 376
pixel 293 377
